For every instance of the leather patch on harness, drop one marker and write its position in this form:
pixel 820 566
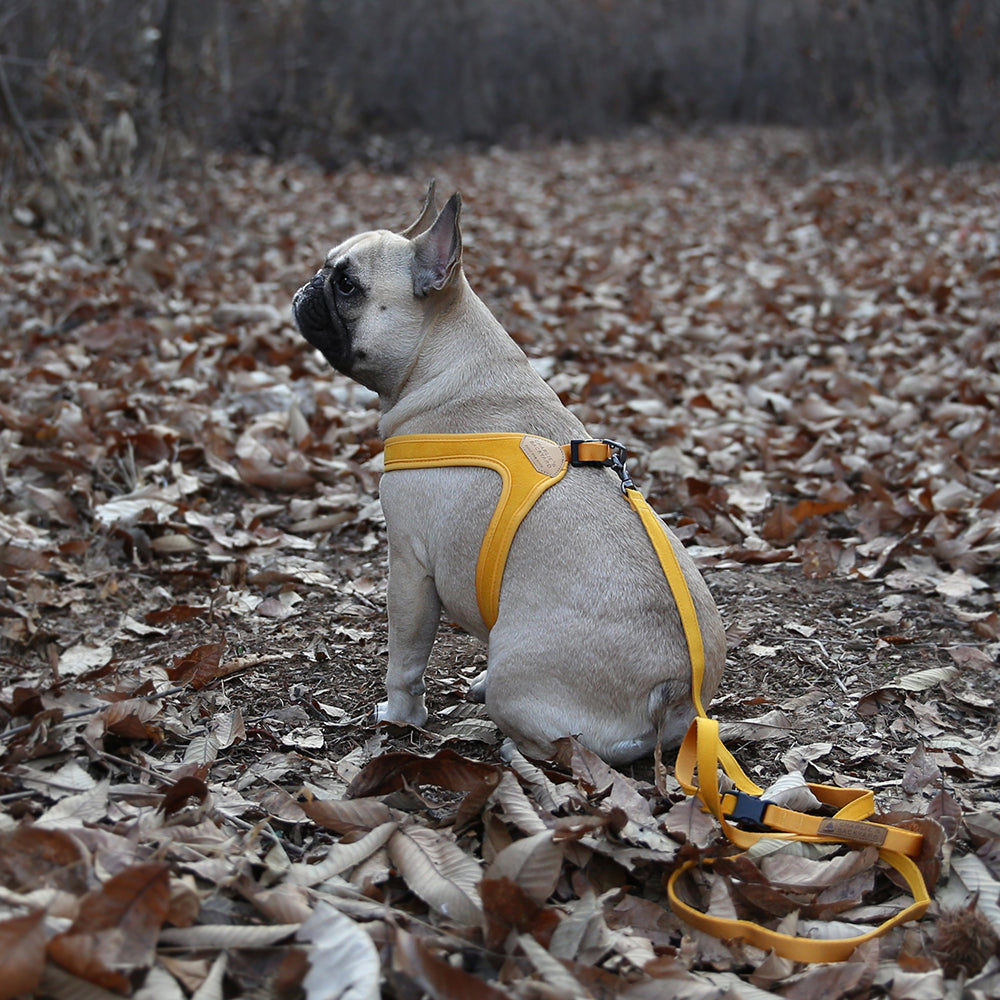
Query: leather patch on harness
pixel 546 456
pixel 848 829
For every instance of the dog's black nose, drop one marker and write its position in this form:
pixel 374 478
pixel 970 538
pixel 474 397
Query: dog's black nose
pixel 309 306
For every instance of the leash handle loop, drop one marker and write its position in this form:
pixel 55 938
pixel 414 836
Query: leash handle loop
pixel 802 949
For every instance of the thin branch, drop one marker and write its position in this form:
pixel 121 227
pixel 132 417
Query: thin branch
pixel 20 125
pixel 23 132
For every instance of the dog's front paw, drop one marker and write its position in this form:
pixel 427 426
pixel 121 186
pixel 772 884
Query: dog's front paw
pixel 414 714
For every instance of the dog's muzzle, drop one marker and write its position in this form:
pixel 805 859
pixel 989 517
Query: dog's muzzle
pixel 312 314
pixel 317 319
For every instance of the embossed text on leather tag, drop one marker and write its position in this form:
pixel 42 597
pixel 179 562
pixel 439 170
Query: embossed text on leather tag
pixel 848 829
pixel 545 455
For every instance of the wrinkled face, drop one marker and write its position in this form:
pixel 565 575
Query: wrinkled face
pixel 360 309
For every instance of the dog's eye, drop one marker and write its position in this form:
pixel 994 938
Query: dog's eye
pixel 344 285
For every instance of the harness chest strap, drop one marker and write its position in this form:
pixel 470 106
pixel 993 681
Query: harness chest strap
pixel 528 466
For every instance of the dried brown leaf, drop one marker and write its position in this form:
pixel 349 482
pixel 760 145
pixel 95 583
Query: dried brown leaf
pixel 438 977
pixel 348 815
pixel 532 863
pixel 340 857
pixel 790 872
pixel 176 795
pixel 32 858
pixel 22 954
pixel 507 907
pixel 446 769
pixel 439 872
pixel 199 667
pixel 117 927
pixel 343 961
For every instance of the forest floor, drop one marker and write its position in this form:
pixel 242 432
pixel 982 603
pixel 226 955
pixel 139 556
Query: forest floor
pixel 804 362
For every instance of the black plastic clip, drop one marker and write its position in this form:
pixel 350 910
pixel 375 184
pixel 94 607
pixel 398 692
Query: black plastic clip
pixel 574 453
pixel 749 809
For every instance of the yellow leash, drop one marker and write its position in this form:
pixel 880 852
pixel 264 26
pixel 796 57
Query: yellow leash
pixel 528 466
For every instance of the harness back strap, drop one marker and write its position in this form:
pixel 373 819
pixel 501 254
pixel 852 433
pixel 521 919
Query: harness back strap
pixel 529 465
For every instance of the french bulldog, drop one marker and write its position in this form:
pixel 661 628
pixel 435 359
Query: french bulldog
pixel 588 641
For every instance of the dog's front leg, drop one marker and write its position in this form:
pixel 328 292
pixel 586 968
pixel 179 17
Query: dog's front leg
pixel 414 611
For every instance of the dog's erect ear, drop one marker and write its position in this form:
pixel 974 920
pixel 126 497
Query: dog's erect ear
pixel 437 254
pixel 426 216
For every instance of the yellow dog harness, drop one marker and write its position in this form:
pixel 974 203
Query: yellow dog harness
pixel 529 465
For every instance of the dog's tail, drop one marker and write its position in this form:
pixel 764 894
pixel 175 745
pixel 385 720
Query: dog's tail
pixel 670 709
pixel 669 712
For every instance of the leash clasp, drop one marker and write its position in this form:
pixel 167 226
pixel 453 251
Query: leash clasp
pixel 616 461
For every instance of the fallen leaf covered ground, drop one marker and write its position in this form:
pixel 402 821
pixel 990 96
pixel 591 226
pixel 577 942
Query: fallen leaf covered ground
pixel 805 363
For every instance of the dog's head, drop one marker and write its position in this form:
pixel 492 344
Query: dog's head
pixel 367 306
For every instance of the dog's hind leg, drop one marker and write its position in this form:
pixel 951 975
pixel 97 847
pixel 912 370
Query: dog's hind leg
pixel 626 751
pixel 477 689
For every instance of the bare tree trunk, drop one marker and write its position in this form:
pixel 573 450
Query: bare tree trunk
pixel 224 65
pixel 35 155
pixel 168 21
pixel 738 108
pixel 14 116
pixel 876 61
pixel 941 28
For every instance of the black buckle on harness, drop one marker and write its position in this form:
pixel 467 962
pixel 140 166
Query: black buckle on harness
pixel 749 808
pixel 616 460
pixel 574 453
